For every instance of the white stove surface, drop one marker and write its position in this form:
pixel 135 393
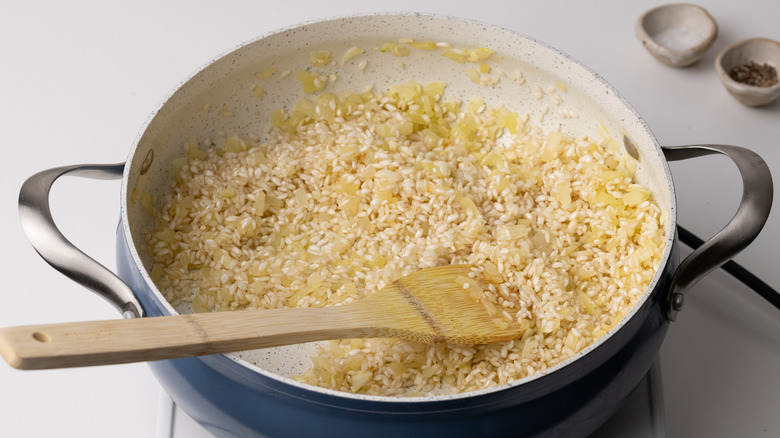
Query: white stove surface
pixel 79 79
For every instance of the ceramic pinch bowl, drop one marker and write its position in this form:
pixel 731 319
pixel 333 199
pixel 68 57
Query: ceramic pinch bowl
pixel 677 34
pixel 764 54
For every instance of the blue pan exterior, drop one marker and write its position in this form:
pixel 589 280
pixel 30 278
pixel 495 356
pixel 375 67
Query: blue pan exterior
pixel 231 400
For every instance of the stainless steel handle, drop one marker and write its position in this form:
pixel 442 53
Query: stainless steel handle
pixel 751 215
pixel 59 252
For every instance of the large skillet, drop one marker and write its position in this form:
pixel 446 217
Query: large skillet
pixel 232 397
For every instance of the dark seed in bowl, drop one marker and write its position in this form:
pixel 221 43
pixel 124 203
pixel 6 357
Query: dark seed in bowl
pixel 757 75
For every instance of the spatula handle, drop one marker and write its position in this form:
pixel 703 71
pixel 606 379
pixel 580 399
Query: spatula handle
pixel 91 343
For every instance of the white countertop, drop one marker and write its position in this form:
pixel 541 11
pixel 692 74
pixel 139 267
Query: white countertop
pixel 79 78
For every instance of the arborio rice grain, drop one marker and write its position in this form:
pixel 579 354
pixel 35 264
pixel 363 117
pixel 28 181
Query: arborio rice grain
pixel 351 192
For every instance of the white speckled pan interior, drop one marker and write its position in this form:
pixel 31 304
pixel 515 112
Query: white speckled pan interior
pixel 196 109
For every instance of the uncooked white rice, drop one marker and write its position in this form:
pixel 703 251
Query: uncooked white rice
pixel 349 194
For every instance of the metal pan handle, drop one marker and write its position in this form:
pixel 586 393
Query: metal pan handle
pixel 59 252
pixel 742 229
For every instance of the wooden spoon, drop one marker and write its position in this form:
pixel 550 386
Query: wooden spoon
pixel 427 306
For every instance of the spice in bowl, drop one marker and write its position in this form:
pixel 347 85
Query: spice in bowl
pixel 757 75
pixel 748 70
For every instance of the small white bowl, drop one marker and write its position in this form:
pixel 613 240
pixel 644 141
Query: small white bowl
pixel 758 50
pixel 677 34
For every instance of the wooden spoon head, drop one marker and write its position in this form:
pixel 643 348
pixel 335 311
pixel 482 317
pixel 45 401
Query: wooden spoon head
pixel 440 305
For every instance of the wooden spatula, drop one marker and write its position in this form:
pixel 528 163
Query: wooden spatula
pixel 428 306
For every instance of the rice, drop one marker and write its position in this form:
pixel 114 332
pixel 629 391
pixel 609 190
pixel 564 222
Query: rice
pixel 348 193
